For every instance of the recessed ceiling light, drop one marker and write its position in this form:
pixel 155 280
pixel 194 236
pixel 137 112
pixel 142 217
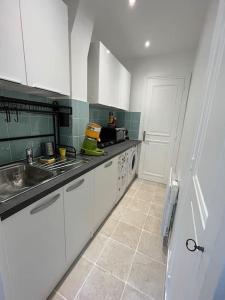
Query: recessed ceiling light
pixel 108 51
pixel 147 44
pixel 132 3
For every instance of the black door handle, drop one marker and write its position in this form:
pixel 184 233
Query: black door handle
pixel 194 246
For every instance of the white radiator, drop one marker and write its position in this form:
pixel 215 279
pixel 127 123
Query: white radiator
pixel 169 208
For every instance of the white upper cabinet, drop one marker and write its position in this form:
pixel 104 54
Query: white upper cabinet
pixel 12 66
pixel 46 44
pixel 108 80
pixel 124 88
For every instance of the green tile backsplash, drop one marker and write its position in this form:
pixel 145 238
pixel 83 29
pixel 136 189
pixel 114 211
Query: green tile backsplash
pixel 28 124
pixel 35 124
pixel 100 115
pixel 129 120
pixel 132 123
pixel 74 135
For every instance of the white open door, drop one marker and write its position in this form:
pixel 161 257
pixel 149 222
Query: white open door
pixel 161 121
pixel 201 214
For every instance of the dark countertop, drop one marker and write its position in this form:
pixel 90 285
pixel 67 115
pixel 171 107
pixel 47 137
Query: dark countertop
pixel 34 194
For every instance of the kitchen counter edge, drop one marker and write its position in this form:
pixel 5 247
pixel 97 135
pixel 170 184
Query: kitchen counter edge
pixel 34 194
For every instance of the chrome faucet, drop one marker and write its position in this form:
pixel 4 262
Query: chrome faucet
pixel 29 156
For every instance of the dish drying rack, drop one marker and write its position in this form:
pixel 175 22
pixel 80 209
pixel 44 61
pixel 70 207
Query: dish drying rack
pixel 60 115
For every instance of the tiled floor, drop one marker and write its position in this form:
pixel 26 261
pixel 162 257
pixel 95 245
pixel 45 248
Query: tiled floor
pixel 125 260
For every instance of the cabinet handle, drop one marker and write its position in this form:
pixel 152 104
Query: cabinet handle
pixel 108 164
pixel 75 185
pixel 45 205
pixel 144 136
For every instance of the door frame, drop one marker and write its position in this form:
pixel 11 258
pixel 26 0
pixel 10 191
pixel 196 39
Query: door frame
pixel 181 117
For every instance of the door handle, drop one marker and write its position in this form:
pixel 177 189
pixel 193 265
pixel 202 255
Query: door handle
pixel 45 205
pixel 75 186
pixel 144 136
pixel 108 164
pixel 194 246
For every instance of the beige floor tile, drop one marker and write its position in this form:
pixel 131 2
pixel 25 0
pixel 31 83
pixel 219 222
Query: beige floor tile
pixel 149 187
pixel 156 210
pixel 160 192
pixel 159 200
pixel 132 294
pixel 56 297
pixel 136 184
pixel 147 276
pixel 93 251
pixel 101 285
pixel 139 205
pixel 118 212
pixel 131 192
pixel 160 186
pixel 116 259
pixel 151 245
pixel 109 226
pixel 145 195
pixel 153 224
pixel 126 200
pixel 134 218
pixel 75 279
pixel 127 235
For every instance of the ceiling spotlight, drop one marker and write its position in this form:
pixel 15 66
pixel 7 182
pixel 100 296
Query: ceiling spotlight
pixel 108 51
pixel 132 3
pixel 147 44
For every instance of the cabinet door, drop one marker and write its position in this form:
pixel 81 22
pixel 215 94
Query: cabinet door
pixel 35 248
pixel 46 44
pixel 11 43
pixel 109 76
pixel 124 88
pixel 105 183
pixel 106 76
pixel 78 205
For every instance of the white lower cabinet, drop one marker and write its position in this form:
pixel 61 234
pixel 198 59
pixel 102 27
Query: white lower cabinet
pixel 105 183
pixel 42 240
pixel 79 218
pixel 35 248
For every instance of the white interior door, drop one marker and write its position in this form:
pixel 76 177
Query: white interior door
pixel 201 215
pixel 162 110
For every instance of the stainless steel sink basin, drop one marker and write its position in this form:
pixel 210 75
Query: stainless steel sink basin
pixel 17 178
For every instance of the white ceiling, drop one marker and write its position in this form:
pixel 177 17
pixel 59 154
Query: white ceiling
pixel 170 25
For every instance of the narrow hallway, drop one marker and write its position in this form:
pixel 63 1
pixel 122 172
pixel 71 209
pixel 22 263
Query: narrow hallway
pixel 125 260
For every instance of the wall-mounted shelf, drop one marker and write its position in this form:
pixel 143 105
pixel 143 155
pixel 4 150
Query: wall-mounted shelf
pixel 10 106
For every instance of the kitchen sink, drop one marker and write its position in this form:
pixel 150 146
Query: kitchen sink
pixel 17 178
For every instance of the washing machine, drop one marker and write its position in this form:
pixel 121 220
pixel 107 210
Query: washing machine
pixel 122 174
pixel 132 164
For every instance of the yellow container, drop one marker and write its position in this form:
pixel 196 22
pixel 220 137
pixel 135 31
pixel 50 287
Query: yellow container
pixel 62 152
pixel 93 131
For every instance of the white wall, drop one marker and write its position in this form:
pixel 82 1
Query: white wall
pixel 170 65
pixel 176 64
pixel 81 23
